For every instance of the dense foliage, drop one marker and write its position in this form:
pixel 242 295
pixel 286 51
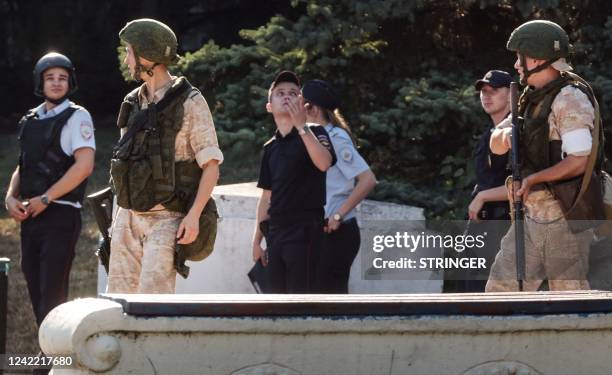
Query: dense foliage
pixel 405 70
pixel 86 31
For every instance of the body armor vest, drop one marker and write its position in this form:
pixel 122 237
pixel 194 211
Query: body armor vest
pixel 42 162
pixel 538 152
pixel 143 170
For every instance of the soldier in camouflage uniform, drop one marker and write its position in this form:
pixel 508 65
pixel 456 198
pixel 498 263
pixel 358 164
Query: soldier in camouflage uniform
pixel 177 144
pixel 562 103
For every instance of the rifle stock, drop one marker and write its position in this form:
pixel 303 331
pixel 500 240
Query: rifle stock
pixel 101 203
pixel 518 212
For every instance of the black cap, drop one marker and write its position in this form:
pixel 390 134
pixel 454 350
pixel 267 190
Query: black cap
pixel 285 76
pixel 321 93
pixel 495 79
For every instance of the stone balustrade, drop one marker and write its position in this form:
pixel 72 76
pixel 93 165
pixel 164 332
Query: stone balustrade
pixel 505 333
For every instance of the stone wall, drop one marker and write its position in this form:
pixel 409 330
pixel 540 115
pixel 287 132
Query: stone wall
pixel 102 338
pixel 226 269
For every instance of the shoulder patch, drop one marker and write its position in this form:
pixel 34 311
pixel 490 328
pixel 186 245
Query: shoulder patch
pixel 346 154
pixel 86 129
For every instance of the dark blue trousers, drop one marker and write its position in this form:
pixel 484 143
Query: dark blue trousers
pixel 338 251
pixel 47 251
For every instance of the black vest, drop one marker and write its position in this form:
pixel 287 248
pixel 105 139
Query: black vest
pixel 42 162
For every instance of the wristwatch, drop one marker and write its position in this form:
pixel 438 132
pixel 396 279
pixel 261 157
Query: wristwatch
pixel 337 217
pixel 303 131
pixel 45 199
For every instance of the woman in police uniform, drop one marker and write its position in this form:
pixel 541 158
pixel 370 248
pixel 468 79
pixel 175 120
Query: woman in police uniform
pixel 348 182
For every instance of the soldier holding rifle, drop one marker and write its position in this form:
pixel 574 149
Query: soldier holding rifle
pixel 558 115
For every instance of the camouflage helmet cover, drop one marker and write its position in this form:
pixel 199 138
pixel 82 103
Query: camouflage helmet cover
pixel 540 39
pixel 151 39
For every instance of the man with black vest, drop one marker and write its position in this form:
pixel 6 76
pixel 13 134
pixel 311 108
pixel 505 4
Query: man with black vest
pixel 558 112
pixel 47 188
pixel 292 177
pixel 489 211
pixel 163 169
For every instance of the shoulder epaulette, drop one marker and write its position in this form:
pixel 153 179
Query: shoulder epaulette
pixel 76 106
pixel 194 92
pixel 269 141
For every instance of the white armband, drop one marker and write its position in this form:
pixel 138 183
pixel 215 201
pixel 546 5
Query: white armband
pixel 577 142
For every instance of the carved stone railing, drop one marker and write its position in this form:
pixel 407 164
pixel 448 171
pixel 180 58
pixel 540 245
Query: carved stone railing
pixel 511 333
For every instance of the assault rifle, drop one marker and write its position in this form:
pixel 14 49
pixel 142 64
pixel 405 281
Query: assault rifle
pixel 518 212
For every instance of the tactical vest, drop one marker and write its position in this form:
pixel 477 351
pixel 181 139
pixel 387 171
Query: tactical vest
pixel 537 151
pixel 143 170
pixel 42 162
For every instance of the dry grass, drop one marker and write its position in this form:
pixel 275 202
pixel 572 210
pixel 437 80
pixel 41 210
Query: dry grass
pixel 21 326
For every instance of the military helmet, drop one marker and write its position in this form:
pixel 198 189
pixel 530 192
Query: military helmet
pixel 540 39
pixel 151 39
pixel 54 60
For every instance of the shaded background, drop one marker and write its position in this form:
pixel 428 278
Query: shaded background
pixel 405 70
pixel 86 31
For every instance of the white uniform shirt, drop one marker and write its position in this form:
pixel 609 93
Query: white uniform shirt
pixel 77 133
pixel 340 178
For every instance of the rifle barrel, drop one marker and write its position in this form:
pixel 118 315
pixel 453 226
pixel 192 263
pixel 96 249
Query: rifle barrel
pixel 519 230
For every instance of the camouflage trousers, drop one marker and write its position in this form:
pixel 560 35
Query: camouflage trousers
pixel 552 252
pixel 142 252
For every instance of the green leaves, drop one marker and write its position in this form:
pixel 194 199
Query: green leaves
pixel 405 71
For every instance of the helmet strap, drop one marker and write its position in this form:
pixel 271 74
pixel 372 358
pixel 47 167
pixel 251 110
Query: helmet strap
pixel 527 73
pixel 149 71
pixel 139 68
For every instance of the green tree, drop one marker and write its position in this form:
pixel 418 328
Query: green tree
pixel 405 70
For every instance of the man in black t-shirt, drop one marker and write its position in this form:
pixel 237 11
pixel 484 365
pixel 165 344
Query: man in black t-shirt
pixel 292 177
pixel 488 211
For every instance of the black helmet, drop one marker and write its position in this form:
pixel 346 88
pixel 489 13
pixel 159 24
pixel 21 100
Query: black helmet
pixel 54 60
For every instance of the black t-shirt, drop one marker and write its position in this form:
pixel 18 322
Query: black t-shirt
pixel 491 169
pixel 297 185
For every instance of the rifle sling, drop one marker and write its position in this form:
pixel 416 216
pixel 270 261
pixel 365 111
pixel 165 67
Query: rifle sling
pixel 586 179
